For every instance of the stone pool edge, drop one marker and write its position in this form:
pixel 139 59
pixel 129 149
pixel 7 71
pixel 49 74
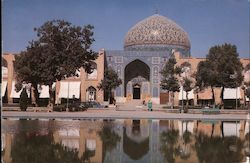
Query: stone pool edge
pixel 112 114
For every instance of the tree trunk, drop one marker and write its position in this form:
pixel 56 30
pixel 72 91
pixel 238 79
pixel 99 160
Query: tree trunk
pixel 51 97
pixel 36 94
pixel 171 99
pixel 222 129
pixel 213 96
pixel 222 97
pixel 109 97
pixel 172 102
pixel 187 98
pixel 212 130
pixel 186 109
pixel 244 98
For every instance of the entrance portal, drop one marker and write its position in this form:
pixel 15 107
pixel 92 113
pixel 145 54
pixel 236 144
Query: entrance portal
pixel 136 92
pixel 133 70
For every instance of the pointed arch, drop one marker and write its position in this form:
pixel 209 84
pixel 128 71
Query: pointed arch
pixel 135 69
pixel 91 93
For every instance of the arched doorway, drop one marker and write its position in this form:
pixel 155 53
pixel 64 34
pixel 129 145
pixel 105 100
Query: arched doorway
pixel 136 72
pixel 91 94
pixel 137 91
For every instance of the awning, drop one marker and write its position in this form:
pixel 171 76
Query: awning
pixel 3 87
pixel 68 89
pixel 91 144
pixel 69 132
pixel 231 128
pixel 230 93
pixel 71 143
pixel 44 91
pixel 190 94
pixel 205 94
pixel 15 94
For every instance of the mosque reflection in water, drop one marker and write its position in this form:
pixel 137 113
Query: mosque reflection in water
pixel 116 141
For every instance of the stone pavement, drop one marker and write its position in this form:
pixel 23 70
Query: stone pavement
pixel 115 114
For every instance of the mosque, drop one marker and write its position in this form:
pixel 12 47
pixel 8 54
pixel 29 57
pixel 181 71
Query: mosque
pixel 147 47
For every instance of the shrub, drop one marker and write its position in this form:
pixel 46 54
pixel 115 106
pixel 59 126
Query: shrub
pixel 23 100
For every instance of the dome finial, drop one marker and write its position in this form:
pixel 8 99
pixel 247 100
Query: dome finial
pixel 156 10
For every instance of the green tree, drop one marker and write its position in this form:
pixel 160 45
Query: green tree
pixel 60 50
pixel 111 81
pixel 170 81
pixel 206 76
pixel 27 70
pixel 187 87
pixel 222 68
pixel 229 67
pixel 23 100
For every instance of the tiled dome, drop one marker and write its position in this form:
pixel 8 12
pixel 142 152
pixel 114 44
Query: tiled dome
pixel 156 32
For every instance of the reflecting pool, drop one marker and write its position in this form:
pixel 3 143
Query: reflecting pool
pixel 124 141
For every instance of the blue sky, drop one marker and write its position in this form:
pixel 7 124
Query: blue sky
pixel 208 22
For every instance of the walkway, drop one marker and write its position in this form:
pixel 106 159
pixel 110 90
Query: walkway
pixel 113 114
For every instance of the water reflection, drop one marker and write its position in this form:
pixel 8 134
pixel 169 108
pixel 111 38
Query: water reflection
pixel 136 138
pixel 109 138
pixel 116 141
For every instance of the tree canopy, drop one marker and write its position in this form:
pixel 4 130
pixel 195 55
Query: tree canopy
pixel 187 86
pixel 206 75
pixel 222 68
pixel 228 64
pixel 60 50
pixel 169 72
pixel 169 80
pixel 23 100
pixel 111 81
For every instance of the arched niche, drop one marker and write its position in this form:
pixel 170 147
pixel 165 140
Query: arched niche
pixel 135 69
pixel 91 94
